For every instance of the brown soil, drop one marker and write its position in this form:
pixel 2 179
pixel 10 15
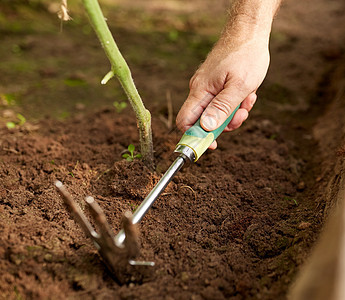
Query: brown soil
pixel 235 225
pixel 226 226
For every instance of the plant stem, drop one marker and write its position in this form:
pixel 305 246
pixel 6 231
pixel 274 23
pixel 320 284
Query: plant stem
pixel 121 70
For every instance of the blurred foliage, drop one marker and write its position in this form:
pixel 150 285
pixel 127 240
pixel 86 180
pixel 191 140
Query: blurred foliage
pixel 71 82
pixel 32 3
pixel 42 57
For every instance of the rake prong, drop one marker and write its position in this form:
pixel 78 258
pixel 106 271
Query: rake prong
pixel 76 213
pixel 131 241
pixel 107 236
pixel 115 257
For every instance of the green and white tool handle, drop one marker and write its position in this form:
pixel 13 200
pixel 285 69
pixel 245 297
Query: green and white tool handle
pixel 195 141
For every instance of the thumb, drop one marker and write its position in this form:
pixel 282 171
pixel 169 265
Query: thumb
pixel 220 108
pixel 192 108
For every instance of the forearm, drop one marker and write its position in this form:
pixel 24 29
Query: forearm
pixel 233 70
pixel 248 19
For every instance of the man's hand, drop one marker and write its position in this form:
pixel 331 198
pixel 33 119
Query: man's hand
pixel 230 75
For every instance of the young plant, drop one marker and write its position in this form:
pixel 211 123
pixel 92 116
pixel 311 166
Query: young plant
pixel 21 121
pixel 120 69
pixel 119 106
pixel 130 155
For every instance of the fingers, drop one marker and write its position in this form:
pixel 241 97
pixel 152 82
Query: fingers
pixel 192 109
pixel 242 114
pixel 214 110
pixel 249 102
pixel 213 146
pixel 221 107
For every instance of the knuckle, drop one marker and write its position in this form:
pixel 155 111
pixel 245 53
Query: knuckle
pixel 191 82
pixel 222 106
pixel 242 84
pixel 198 80
pixel 195 82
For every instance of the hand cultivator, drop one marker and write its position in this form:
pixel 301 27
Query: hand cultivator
pixel 123 248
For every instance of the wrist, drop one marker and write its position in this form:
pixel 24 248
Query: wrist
pixel 242 32
pixel 248 20
pixel 259 13
pixel 245 22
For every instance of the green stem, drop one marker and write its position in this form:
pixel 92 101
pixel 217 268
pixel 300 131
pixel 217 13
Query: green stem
pixel 121 70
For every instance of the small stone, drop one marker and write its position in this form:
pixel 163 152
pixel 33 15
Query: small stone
pixel 301 186
pixel 268 189
pixel 212 228
pixel 184 276
pixel 15 259
pixel 303 225
pixel 212 264
pixel 131 285
pixel 318 179
pixel 80 106
pixel 48 257
pixel 308 137
pixel 8 113
pixel 239 188
pixel 12 236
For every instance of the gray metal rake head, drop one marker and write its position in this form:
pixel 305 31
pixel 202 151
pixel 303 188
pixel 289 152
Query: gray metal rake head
pixel 114 254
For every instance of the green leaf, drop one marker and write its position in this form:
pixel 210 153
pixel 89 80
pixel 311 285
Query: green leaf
pixel 123 105
pixel 131 148
pixel 10 125
pixel 129 158
pixel 22 119
pixel 120 106
pixel 138 155
pixel 126 155
pixel 72 82
pixel 173 35
pixel 64 115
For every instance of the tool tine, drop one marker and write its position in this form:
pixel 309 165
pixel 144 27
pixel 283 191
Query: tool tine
pixel 131 241
pixel 101 222
pixel 75 211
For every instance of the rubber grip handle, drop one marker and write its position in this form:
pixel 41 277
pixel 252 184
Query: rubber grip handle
pixel 199 139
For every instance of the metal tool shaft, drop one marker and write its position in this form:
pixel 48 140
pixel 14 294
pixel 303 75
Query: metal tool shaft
pixel 152 196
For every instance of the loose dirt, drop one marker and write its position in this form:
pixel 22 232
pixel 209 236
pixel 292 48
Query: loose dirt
pixel 226 226
pixel 235 225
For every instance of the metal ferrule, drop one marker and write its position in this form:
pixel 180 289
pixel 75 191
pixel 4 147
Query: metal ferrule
pixel 186 151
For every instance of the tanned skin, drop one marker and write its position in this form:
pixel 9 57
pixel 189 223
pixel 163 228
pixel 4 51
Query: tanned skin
pixel 233 70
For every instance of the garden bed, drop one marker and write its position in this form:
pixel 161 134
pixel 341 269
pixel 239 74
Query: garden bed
pixel 232 224
pixel 235 225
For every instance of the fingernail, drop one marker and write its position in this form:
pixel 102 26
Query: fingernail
pixel 252 101
pixel 209 122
